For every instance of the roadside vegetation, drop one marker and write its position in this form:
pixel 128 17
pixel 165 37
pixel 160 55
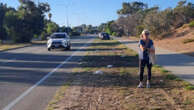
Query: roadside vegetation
pixel 136 16
pixel 185 41
pixel 191 24
pixel 4 47
pixel 107 77
pixel 32 21
pixel 22 24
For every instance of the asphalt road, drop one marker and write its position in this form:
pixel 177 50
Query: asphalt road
pixel 30 76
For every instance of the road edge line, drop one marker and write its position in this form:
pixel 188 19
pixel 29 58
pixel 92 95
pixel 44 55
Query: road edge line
pixel 21 96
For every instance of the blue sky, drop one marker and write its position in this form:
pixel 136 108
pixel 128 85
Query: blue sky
pixel 92 12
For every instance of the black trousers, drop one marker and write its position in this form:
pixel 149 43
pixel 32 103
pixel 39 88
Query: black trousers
pixel 142 64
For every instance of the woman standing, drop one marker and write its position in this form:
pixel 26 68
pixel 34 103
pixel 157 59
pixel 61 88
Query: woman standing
pixel 146 46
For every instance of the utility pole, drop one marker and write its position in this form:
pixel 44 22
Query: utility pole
pixel 67 16
pixel 37 2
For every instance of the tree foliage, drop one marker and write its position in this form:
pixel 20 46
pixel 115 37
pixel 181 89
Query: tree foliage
pixel 52 27
pixel 3 10
pixel 131 8
pixel 27 21
pixel 136 16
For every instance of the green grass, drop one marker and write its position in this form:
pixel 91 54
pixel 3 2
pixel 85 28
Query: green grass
pixel 164 71
pixel 187 102
pixel 189 87
pixel 157 66
pixel 178 79
pixel 168 75
pixel 186 84
pixel 191 24
pixel 171 77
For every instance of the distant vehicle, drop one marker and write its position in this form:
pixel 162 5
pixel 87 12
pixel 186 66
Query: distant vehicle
pixel 104 36
pixel 100 35
pixel 59 40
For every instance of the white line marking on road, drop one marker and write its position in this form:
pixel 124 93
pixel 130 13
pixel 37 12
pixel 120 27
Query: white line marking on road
pixel 8 61
pixel 14 102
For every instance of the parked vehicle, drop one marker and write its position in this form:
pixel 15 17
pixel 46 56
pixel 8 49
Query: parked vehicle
pixel 104 36
pixel 100 35
pixel 59 40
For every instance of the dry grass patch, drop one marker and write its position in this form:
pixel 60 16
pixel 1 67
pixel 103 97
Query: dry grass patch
pixel 8 46
pixel 116 88
pixel 4 47
pixel 57 98
pixel 185 41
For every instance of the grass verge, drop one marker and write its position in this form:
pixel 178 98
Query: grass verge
pixel 118 82
pixel 4 47
pixel 57 98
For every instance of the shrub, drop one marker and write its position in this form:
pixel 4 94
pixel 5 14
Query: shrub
pixel 171 77
pixel 114 34
pixel 43 36
pixel 185 41
pixel 190 87
pixel 191 24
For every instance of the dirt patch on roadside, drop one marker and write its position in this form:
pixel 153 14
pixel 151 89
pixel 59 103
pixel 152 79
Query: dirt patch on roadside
pixel 114 87
pixel 177 42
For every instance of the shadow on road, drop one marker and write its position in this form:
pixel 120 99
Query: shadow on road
pixel 30 68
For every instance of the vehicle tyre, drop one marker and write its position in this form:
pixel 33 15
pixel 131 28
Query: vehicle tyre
pixel 49 49
pixel 68 48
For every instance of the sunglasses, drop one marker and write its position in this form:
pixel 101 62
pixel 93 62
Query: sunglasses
pixel 147 34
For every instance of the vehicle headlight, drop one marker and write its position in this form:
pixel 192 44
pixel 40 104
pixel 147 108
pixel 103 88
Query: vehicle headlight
pixel 64 42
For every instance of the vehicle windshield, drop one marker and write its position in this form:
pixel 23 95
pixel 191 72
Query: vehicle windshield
pixel 105 34
pixel 58 36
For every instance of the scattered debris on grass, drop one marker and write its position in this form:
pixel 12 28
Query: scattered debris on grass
pixel 99 72
pixel 109 66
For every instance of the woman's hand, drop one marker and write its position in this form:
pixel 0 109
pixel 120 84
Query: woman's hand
pixel 142 48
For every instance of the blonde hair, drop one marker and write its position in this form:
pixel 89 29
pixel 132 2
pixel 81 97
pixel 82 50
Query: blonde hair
pixel 145 31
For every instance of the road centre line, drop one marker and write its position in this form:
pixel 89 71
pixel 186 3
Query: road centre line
pixel 25 93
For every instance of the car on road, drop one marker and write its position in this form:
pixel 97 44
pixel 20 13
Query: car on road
pixel 59 40
pixel 104 36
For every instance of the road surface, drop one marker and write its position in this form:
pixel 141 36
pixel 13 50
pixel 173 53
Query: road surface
pixel 30 76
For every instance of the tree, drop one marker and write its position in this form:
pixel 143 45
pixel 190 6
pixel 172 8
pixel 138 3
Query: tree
pixel 3 10
pixel 2 15
pixel 68 30
pixel 183 12
pixel 101 27
pixel 131 8
pixel 108 27
pixel 26 22
pixel 14 26
pixel 52 27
